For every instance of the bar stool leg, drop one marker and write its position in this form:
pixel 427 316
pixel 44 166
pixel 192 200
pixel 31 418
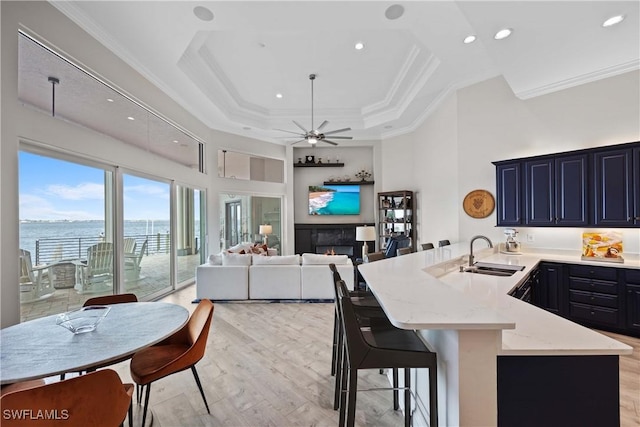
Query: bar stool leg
pixel 339 374
pixel 351 404
pixel 334 356
pixel 407 397
pixel 396 392
pixel 433 396
pixel 343 388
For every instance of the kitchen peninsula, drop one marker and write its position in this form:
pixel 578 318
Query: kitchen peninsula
pixel 501 359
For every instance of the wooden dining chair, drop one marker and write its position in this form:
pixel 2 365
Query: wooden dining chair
pixel 427 246
pixel 111 299
pixel 96 399
pixel 404 251
pixel 177 353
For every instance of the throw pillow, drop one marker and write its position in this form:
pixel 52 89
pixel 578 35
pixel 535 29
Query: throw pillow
pixel 324 259
pixel 215 259
pixel 235 259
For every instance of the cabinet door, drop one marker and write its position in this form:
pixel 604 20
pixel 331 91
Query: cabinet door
pixel 508 190
pixel 571 191
pixel 613 187
pixel 636 186
pixel 633 307
pixel 539 193
pixel 551 295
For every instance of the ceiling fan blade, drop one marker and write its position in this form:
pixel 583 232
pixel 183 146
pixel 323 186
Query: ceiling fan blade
pixel 288 131
pixel 329 142
pixel 337 131
pixel 342 137
pixel 293 143
pixel 300 126
pixel 323 125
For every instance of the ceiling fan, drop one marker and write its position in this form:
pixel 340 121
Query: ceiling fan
pixel 313 136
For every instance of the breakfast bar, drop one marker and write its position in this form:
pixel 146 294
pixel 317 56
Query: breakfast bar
pixel 492 347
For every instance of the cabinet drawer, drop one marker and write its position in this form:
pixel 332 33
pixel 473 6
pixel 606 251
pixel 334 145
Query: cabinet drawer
pixel 593 285
pixel 633 276
pixel 594 298
pixel 589 313
pixel 592 272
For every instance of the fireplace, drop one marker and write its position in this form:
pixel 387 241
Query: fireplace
pixel 320 238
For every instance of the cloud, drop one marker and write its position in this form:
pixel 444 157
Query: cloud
pixel 82 191
pixel 37 208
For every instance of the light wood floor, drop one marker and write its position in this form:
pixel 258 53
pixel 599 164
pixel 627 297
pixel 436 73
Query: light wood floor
pixel 269 365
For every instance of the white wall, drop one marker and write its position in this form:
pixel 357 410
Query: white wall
pixel 453 150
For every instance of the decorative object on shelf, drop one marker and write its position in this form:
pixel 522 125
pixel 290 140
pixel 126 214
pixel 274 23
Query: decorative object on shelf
pixel 479 204
pixel 265 230
pixel 602 246
pixel 299 159
pixel 319 160
pixel 365 234
pixel 310 159
pixel 363 174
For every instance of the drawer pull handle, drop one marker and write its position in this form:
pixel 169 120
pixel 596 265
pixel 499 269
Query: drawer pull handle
pixel 592 313
pixel 591 271
pixel 592 298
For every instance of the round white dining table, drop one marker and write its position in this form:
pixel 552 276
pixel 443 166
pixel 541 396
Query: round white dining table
pixel 39 348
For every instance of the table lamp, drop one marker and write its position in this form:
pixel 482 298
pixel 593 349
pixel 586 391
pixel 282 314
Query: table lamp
pixel 265 230
pixel 365 234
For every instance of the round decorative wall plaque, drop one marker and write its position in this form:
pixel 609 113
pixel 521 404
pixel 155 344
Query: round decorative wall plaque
pixel 479 204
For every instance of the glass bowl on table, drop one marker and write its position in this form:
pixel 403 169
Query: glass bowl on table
pixel 85 319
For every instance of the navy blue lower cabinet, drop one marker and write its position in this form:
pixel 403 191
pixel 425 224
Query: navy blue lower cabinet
pixel 558 391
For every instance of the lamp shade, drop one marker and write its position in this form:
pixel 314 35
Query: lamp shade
pixel 265 229
pixel 365 234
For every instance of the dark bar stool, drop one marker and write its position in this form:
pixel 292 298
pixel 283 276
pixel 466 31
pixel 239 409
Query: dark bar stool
pixel 380 347
pixel 442 243
pixel 368 310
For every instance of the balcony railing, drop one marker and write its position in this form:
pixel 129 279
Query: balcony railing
pixel 50 250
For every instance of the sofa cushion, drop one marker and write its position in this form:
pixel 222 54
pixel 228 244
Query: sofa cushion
pixel 318 259
pixel 215 259
pixel 276 260
pixel 235 259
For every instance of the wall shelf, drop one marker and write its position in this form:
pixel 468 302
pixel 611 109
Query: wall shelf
pixel 348 183
pixel 318 165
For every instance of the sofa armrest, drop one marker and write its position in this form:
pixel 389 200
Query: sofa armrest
pixel 222 282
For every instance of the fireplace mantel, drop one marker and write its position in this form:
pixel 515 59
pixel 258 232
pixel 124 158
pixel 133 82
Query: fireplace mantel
pixel 317 238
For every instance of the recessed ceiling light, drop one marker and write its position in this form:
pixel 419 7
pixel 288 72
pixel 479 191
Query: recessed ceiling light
pixel 203 13
pixel 359 46
pixel 503 34
pixel 109 99
pixel 279 95
pixel 613 21
pixel 394 11
pixel 469 39
pixel 130 118
pixel 175 141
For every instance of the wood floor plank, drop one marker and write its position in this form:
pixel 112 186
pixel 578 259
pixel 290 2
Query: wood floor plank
pixel 269 365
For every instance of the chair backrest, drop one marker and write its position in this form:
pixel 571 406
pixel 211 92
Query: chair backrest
pixel 26 267
pixel 335 273
pixel 111 299
pixel 100 258
pixel 404 251
pixel 129 245
pixel 375 256
pixel 143 249
pixel 394 244
pixel 97 398
pixel 442 243
pixel 427 246
pixel 356 345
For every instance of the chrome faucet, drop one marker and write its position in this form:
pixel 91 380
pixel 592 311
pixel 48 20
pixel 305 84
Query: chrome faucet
pixel 473 239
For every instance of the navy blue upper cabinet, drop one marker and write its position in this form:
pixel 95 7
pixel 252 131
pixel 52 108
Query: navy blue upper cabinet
pixel 556 191
pixel 614 188
pixel 593 187
pixel 508 191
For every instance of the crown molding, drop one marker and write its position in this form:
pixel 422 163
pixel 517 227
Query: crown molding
pixel 579 80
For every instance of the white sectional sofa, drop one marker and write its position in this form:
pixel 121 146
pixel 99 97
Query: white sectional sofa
pixel 292 277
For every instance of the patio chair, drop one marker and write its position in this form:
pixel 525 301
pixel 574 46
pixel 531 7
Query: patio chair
pixel 35 281
pixel 97 274
pixel 129 245
pixel 132 263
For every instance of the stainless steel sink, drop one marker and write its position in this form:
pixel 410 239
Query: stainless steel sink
pixel 491 269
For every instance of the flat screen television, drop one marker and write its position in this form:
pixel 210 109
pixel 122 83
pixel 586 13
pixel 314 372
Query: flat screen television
pixel 334 200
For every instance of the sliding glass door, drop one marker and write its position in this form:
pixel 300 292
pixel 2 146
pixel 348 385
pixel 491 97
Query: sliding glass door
pixel 189 232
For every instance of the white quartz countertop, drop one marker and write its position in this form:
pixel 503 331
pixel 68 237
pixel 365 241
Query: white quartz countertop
pixel 425 290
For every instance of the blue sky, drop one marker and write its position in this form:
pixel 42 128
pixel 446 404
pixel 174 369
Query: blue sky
pixel 52 189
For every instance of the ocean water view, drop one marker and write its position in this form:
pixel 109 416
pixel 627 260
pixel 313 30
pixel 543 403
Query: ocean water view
pixel 30 231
